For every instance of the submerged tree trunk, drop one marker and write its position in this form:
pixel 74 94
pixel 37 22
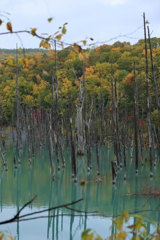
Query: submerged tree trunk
pixel 73 156
pixel 114 171
pixel 50 146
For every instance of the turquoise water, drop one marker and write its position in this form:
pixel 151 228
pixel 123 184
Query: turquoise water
pixel 19 185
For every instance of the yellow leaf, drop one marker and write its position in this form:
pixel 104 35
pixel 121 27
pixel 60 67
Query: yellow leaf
pixel 98 237
pixel 158 230
pixel 1 236
pixel 137 216
pixel 64 30
pixel 119 223
pixel 121 235
pixel 41 43
pixel 45 44
pixel 139 223
pixel 9 236
pixel 33 31
pixel 126 215
pixel 58 37
pixel 132 226
pixel 137 237
pixel 9 27
pixel 90 236
pixel 82 182
pixel 50 19
pixel 56 33
pixel 1 22
pixel 85 233
pixel 84 42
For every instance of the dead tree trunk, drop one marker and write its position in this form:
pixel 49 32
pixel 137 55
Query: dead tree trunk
pixel 135 120
pixel 141 136
pixel 117 123
pixel 150 132
pixel 114 122
pixel 80 137
pixel 88 138
pixel 17 108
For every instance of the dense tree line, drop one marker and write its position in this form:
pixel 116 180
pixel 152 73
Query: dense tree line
pixel 35 73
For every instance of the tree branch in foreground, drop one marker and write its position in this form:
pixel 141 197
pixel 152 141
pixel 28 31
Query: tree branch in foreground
pixel 20 218
pixel 16 217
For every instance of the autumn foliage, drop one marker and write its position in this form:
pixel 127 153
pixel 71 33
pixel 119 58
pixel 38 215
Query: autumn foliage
pixel 37 69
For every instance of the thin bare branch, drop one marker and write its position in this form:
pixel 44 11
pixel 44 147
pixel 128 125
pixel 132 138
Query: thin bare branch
pixel 128 35
pixel 49 209
pixel 16 217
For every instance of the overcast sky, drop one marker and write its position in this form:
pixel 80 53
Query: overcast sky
pixel 99 19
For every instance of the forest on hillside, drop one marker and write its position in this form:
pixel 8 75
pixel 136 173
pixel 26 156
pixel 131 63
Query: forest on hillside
pixel 37 68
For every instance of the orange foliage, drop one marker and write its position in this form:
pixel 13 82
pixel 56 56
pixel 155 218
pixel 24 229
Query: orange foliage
pixel 51 53
pixel 116 49
pixel 128 79
pixel 38 57
pixel 89 71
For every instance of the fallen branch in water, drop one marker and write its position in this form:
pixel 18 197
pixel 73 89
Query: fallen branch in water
pixel 99 179
pixel 146 192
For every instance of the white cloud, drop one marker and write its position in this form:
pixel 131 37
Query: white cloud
pixel 3 2
pixel 113 2
pixel 30 8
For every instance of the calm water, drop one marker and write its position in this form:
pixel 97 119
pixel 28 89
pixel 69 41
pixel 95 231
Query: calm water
pixel 18 186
